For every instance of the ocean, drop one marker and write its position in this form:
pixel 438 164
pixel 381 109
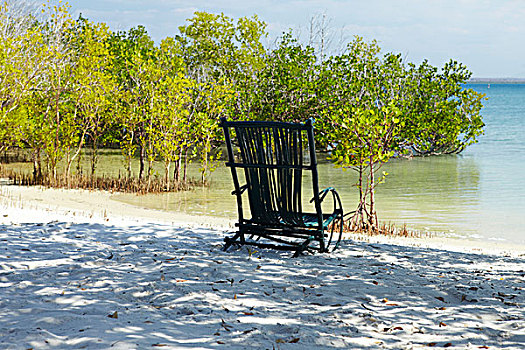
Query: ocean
pixel 478 194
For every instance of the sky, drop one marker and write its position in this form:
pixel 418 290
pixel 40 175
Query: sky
pixel 488 36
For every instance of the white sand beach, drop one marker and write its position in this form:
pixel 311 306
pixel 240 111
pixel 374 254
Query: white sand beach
pixel 79 270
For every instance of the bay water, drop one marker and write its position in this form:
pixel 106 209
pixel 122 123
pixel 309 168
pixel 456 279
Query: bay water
pixel 478 194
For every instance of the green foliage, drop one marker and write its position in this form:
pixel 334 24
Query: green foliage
pixel 287 85
pixel 442 116
pixel 378 108
pixel 367 140
pixel 66 85
pixel 217 45
pixel 21 66
pixel 95 86
pixel 222 58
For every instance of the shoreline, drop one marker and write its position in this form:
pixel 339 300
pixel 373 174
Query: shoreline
pixel 100 205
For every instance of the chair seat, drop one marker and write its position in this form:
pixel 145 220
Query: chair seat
pixel 310 220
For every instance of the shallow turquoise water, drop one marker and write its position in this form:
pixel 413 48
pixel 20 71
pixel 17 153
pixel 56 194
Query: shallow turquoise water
pixel 478 193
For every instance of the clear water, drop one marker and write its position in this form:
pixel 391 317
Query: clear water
pixel 477 194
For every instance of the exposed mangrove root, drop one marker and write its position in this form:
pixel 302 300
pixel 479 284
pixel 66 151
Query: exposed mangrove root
pixel 384 229
pixel 105 183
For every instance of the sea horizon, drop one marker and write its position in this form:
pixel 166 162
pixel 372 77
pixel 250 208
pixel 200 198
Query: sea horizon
pixel 482 80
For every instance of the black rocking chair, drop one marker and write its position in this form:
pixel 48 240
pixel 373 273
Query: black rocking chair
pixel 274 156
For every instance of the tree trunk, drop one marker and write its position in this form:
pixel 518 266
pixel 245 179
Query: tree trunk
pixel 205 161
pixel 176 170
pixel 129 154
pixel 56 141
pixel 129 164
pixel 55 173
pixel 150 171
pixel 184 177
pixel 37 166
pixel 362 201
pixel 359 220
pixel 178 166
pixel 79 164
pixel 204 168
pixel 68 167
pixel 150 154
pixel 142 156
pixel 372 215
pixel 94 157
pixel 167 165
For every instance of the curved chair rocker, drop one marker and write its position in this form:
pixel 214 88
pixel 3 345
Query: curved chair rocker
pixel 273 157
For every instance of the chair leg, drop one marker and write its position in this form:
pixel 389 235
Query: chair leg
pixel 341 220
pixel 303 247
pixel 323 248
pixel 230 240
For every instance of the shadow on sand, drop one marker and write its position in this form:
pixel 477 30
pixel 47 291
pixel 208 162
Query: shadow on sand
pixel 171 287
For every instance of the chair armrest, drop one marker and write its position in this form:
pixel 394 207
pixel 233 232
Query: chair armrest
pixel 338 206
pixel 241 189
pixel 323 194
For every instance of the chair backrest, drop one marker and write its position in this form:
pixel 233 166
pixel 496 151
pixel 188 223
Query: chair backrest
pixel 274 156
